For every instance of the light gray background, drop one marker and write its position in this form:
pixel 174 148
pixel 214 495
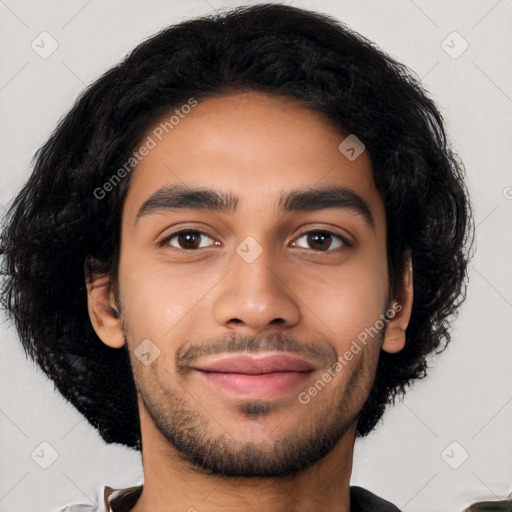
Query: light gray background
pixel 467 397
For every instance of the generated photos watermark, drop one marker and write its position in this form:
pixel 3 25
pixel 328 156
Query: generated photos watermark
pixel 362 340
pixel 144 149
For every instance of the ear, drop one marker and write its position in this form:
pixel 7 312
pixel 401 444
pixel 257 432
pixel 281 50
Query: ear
pixel 394 338
pixel 103 311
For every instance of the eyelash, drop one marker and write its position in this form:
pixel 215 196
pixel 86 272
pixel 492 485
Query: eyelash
pixel 343 240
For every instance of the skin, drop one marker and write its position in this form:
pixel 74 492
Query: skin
pixel 256 147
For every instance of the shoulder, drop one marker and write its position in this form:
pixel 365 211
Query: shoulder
pixel 361 501
pixel 365 501
pixel 79 508
pixel 114 500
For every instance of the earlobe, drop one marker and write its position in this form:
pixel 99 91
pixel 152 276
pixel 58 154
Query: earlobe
pixel 400 313
pixel 103 312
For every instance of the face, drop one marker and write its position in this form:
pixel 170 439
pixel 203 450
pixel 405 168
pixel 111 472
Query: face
pixel 253 256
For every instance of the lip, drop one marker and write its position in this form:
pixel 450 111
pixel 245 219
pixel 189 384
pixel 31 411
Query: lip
pixel 263 377
pixel 252 365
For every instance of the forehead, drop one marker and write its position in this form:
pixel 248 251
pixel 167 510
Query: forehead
pixel 251 144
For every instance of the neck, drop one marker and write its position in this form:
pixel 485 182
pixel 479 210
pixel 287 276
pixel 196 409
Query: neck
pixel 172 484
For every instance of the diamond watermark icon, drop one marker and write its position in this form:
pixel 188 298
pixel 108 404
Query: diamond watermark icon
pixel 454 455
pixel 249 249
pixel 44 45
pixel 454 45
pixel 44 455
pixel 146 352
pixel 351 147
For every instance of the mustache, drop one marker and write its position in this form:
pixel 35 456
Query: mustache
pixel 322 353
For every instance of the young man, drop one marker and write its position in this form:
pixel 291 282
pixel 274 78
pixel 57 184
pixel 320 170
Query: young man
pixel 274 234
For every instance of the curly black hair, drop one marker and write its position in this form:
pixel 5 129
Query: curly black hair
pixel 57 226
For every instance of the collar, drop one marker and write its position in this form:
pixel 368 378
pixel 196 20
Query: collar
pixel 121 500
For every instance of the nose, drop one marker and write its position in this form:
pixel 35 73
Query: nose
pixel 255 297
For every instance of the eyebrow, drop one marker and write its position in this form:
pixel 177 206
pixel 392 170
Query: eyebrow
pixel 297 200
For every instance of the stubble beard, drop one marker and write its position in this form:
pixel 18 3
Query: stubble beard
pixel 191 431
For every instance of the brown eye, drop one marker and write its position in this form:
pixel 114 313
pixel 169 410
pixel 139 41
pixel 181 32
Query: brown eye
pixel 187 240
pixel 322 241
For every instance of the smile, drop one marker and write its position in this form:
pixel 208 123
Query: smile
pixel 264 377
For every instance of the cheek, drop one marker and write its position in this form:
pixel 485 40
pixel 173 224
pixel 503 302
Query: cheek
pixel 164 305
pixel 346 301
pixel 360 306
